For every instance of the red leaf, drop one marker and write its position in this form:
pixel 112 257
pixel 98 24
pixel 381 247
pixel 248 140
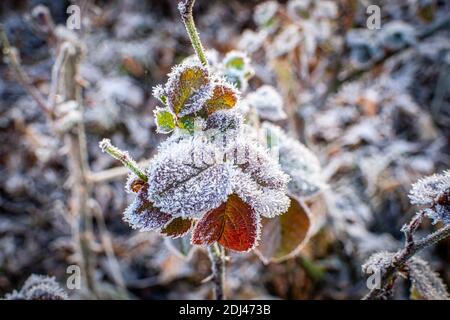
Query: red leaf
pixel 178 227
pixel 233 224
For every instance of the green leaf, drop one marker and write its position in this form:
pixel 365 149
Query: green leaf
pixel 236 62
pixel 165 121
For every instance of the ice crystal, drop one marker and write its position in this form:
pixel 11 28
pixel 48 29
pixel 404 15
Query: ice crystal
pixel 268 103
pixel 38 287
pixel 298 162
pixel 433 192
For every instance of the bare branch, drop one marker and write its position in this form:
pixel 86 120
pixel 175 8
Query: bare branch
pixel 402 256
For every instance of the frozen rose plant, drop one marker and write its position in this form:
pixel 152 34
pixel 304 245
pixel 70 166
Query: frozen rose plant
pixel 216 180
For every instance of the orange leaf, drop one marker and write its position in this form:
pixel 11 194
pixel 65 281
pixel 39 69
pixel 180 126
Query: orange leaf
pixel 233 224
pixel 223 97
pixel 282 237
pixel 178 227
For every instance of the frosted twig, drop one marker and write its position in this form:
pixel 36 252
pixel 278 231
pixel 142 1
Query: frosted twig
pixel 402 256
pixel 123 157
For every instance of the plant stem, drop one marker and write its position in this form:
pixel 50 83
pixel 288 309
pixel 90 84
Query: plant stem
pixel 123 157
pixel 217 257
pixel 185 8
pixel 402 256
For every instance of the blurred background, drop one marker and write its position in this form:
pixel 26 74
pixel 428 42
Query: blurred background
pixel 372 102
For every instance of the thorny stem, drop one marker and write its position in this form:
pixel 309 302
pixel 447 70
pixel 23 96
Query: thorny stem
pixel 185 8
pixel 22 76
pixel 123 157
pixel 402 256
pixel 217 257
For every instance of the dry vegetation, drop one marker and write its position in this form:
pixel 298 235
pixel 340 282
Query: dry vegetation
pixel 359 119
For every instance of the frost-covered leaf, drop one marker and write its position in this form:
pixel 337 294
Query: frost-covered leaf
pixel 283 237
pixel 268 103
pixel 433 191
pixel 258 179
pixel 297 161
pixel 378 262
pixel 38 287
pixel 143 215
pixel 426 284
pixel 164 120
pixel 224 121
pixel 178 227
pixel 236 60
pixel 187 180
pixel 234 225
pixel 181 247
pixel 223 127
pixel 188 88
pixel 237 69
pixel 224 96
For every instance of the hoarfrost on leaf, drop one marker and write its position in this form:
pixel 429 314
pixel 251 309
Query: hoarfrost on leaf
pixel 38 287
pixel 426 284
pixel 143 215
pixel 259 180
pixel 379 261
pixel 188 88
pixel 298 162
pixel 187 179
pixel 434 192
pixel 268 103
